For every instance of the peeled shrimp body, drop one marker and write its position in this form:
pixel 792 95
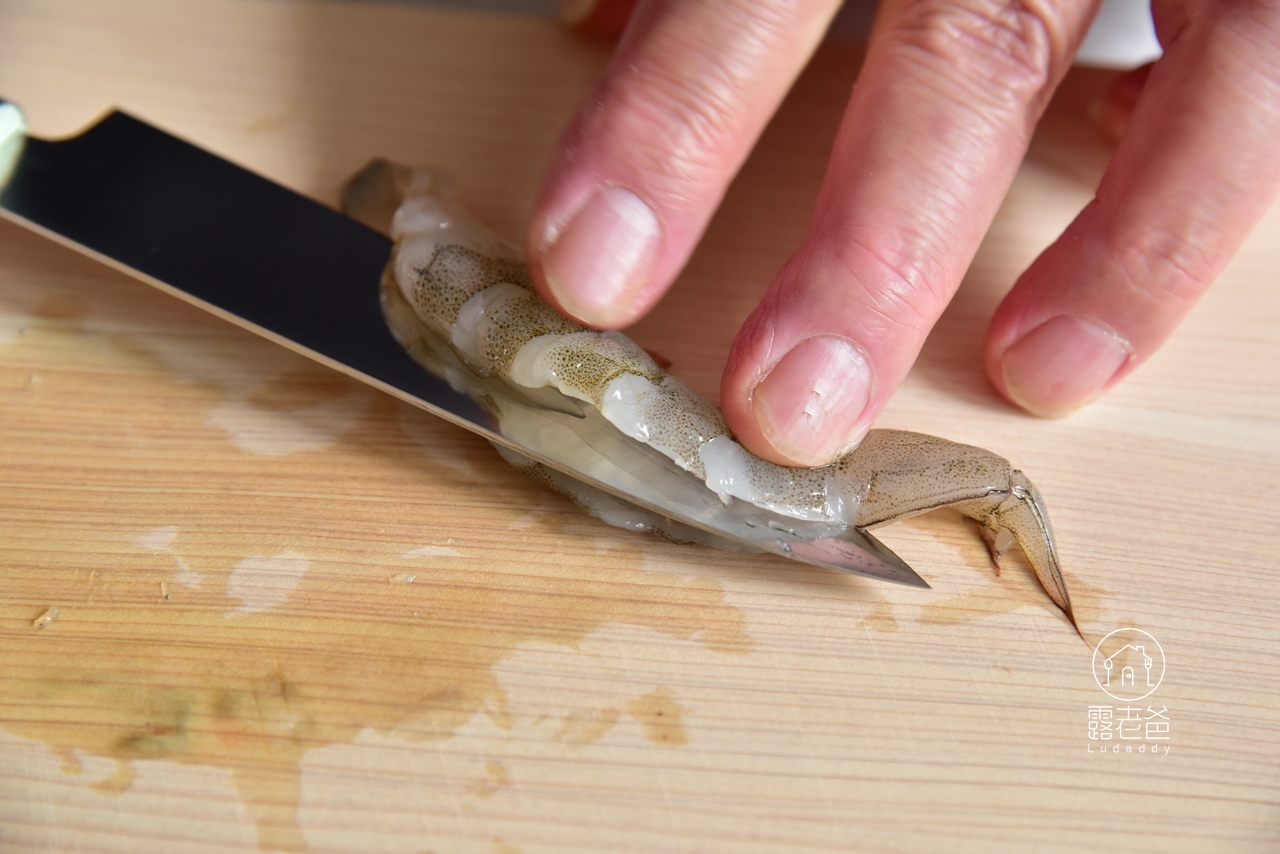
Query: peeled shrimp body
pixel 452 281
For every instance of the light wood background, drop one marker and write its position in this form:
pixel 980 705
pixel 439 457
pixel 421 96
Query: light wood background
pixel 294 614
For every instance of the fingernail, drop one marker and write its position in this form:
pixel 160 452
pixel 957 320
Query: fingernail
pixel 598 264
pixel 1063 364
pixel 809 405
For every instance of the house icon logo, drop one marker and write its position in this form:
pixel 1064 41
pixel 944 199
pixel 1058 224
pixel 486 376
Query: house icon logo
pixel 1128 664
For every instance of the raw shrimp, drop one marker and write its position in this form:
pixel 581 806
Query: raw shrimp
pixel 452 280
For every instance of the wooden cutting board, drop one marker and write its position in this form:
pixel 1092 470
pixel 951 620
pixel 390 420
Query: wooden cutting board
pixel 246 603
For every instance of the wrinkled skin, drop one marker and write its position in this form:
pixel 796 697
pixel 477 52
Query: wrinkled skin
pixel 936 125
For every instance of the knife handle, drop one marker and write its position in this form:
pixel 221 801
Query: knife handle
pixel 13 133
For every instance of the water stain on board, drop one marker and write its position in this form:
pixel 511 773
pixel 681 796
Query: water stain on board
pixel 299 389
pixel 198 681
pixel 658 714
pixel 235 673
pixel 587 727
pixel 880 618
pixel 1009 586
pixel 117 782
pixel 496 777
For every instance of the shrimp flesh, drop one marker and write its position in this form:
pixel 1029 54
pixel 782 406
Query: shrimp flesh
pixel 461 301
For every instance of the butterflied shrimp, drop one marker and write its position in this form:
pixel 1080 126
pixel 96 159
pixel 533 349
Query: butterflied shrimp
pixel 455 292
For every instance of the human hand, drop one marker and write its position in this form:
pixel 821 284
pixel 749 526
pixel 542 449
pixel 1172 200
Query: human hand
pixel 938 121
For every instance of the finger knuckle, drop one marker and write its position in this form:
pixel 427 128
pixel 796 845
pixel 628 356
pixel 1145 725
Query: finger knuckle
pixel 904 283
pixel 1009 52
pixel 683 121
pixel 695 116
pixel 1163 267
pixel 1255 22
pixel 673 132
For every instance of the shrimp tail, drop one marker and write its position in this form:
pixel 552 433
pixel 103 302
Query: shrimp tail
pixel 904 474
pixel 1020 513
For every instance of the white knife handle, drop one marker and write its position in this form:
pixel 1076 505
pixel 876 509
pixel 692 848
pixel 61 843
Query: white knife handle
pixel 13 133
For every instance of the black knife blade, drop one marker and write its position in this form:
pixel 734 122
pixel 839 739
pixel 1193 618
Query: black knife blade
pixel 306 276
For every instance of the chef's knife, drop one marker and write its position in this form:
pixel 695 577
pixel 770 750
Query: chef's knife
pixel 307 277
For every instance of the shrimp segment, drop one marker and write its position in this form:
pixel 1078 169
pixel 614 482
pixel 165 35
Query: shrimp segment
pixel 454 286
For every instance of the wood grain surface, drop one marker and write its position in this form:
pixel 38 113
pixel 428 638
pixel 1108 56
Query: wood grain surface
pixel 248 604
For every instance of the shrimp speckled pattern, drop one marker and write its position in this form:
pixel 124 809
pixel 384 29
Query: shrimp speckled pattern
pixel 452 280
